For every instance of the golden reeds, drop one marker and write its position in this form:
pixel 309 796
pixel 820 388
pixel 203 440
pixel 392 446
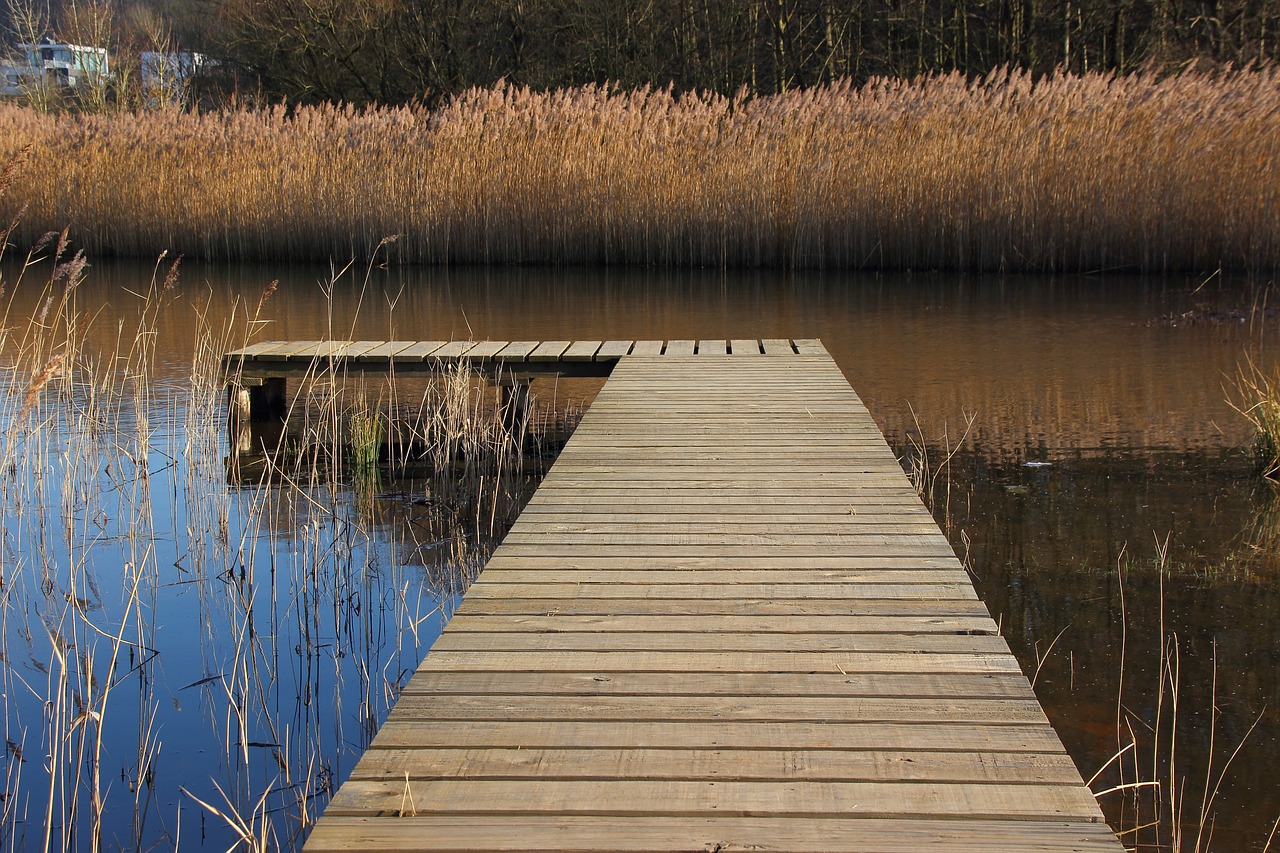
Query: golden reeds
pixel 1084 173
pixel 1257 397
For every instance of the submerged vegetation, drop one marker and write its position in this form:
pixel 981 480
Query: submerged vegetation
pixel 1087 173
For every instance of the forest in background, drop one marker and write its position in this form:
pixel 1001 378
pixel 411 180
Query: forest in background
pixel 401 51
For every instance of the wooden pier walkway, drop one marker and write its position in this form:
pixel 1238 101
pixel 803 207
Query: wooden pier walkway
pixel 725 621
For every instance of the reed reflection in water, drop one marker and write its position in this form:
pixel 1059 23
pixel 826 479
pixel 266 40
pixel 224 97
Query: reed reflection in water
pixel 276 622
pixel 1071 558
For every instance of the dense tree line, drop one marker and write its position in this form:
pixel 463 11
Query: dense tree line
pixel 394 51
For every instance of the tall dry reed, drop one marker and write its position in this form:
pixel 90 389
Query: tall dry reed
pixel 1084 173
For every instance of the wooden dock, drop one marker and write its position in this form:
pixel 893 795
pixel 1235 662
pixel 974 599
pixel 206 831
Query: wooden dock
pixel 725 621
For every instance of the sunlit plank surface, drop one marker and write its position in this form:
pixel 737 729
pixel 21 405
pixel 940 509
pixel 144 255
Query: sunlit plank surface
pixel 723 622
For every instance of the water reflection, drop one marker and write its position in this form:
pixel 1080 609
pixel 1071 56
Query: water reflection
pixel 1074 549
pixel 1047 364
pixel 1092 377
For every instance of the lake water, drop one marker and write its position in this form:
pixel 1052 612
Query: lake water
pixel 278 623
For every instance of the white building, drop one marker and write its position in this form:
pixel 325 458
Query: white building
pixel 57 63
pixel 170 69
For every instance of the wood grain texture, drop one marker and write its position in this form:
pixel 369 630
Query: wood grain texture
pixel 724 622
pixel 454 833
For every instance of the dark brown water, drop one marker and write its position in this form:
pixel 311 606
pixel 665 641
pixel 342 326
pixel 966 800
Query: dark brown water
pixel 1112 388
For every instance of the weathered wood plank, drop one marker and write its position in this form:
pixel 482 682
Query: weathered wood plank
pixel 583 350
pixel 613 349
pixel 787 709
pixel 790 799
pixel 323 350
pixel 253 351
pixel 686 551
pixel 421 350
pixel 452 350
pixel 696 661
pixel 849 833
pixel 828 564
pixel 287 349
pixel 569 588
pixel 485 351
pixel 353 350
pixel 822 765
pixel 550 351
pixel 850 625
pixel 647 348
pixel 809 346
pixel 678 602
pixel 696 734
pixel 678 575
pixel 384 351
pixel 460 640
pixel 710 685
pixel 518 350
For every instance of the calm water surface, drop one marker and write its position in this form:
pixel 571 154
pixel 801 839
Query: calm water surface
pixel 1100 428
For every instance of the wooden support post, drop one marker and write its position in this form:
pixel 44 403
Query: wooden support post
pixel 254 402
pixel 239 407
pixel 516 406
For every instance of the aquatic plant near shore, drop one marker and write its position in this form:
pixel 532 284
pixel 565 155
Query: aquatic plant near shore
pixel 1257 397
pixel 1084 173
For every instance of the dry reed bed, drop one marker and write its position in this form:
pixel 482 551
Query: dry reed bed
pixel 1068 173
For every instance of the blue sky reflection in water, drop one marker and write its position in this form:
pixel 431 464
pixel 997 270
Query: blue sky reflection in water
pixel 272 625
